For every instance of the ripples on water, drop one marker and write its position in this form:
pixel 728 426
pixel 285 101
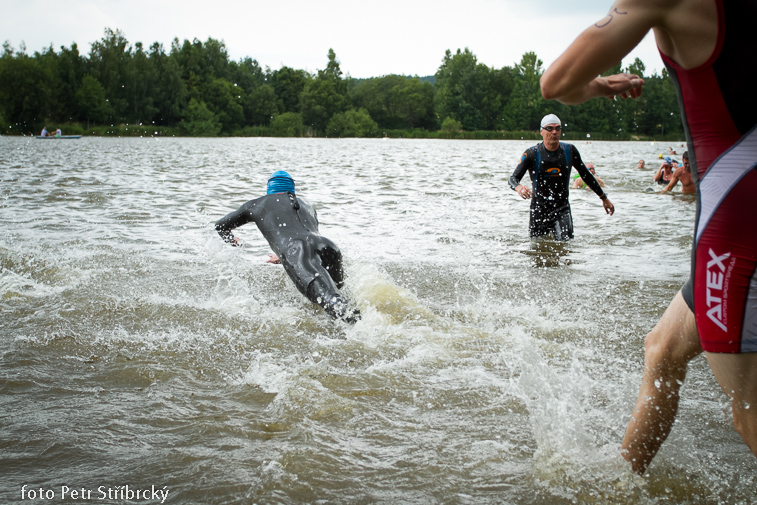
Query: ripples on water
pixel 139 349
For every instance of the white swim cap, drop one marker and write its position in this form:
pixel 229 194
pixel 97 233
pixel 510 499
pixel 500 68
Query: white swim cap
pixel 550 119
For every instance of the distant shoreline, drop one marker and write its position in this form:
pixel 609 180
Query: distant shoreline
pixel 166 132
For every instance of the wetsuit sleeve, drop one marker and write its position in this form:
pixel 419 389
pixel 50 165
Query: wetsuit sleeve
pixel 526 161
pixel 241 216
pixel 588 178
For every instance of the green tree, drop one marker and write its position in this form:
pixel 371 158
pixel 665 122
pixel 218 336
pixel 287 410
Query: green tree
pixel 70 73
pixel 352 123
pixel 525 106
pixel 288 84
pixel 288 124
pixel 170 91
pixel 143 80
pixel 396 101
pixel 660 114
pixel 260 105
pixel 414 101
pixel 324 96
pixel 199 121
pixel 109 62
pixel 90 98
pixel 247 74
pixel 450 125
pixel 66 71
pixel 24 90
pixel 225 101
pixel 461 87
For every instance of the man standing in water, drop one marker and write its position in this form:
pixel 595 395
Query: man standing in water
pixel 701 42
pixel 290 225
pixel 682 174
pixel 549 165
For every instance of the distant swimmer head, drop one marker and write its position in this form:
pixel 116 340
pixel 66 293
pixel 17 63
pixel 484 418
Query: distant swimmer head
pixel 280 182
pixel 550 119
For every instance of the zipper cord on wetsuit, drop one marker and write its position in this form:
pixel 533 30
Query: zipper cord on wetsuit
pixel 296 207
pixel 294 201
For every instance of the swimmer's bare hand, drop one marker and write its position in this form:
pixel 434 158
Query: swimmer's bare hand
pixel 272 258
pixel 609 207
pixel 237 242
pixel 622 85
pixel 523 191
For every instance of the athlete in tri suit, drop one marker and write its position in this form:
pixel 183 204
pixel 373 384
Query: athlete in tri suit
pixel 290 225
pixel 701 42
pixel 549 164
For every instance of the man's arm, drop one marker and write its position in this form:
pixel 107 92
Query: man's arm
pixel 239 217
pixel 573 77
pixel 672 183
pixel 585 173
pixel 591 181
pixel 525 161
pixel 659 173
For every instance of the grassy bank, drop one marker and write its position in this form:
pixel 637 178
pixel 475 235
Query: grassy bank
pixel 125 130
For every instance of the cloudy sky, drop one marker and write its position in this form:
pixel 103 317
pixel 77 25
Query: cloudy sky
pixel 370 38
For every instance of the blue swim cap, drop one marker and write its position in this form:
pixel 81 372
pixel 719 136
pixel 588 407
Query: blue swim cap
pixel 667 159
pixel 280 182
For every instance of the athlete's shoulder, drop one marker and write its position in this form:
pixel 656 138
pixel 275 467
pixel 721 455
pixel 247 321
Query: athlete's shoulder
pixel 571 149
pixel 528 154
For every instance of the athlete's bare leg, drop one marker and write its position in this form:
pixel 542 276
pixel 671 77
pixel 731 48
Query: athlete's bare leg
pixel 737 376
pixel 668 348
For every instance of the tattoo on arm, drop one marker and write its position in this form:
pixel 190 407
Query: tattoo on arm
pixel 609 18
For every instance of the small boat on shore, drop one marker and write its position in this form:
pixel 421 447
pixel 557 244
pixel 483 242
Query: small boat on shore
pixel 61 137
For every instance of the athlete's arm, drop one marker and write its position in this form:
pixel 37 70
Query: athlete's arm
pixel 591 181
pixel 573 77
pixel 239 217
pixel 525 161
pixel 660 172
pixel 585 173
pixel 672 183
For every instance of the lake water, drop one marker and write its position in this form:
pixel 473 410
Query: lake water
pixel 139 350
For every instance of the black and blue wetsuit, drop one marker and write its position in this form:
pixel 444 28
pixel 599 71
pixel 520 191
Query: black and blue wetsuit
pixel 313 262
pixel 550 175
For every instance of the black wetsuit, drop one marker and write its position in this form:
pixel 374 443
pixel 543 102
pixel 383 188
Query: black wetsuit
pixel 313 262
pixel 550 208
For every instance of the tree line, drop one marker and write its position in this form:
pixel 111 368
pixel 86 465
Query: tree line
pixel 195 89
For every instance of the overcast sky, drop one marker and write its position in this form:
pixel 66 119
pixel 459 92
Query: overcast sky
pixel 370 38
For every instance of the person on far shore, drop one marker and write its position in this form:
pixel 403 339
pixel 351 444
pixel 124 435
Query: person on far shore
pixel 44 133
pixel 683 174
pixel 58 133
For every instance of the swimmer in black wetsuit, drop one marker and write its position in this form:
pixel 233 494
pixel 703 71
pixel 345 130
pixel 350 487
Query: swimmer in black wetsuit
pixel 290 225
pixel 549 165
